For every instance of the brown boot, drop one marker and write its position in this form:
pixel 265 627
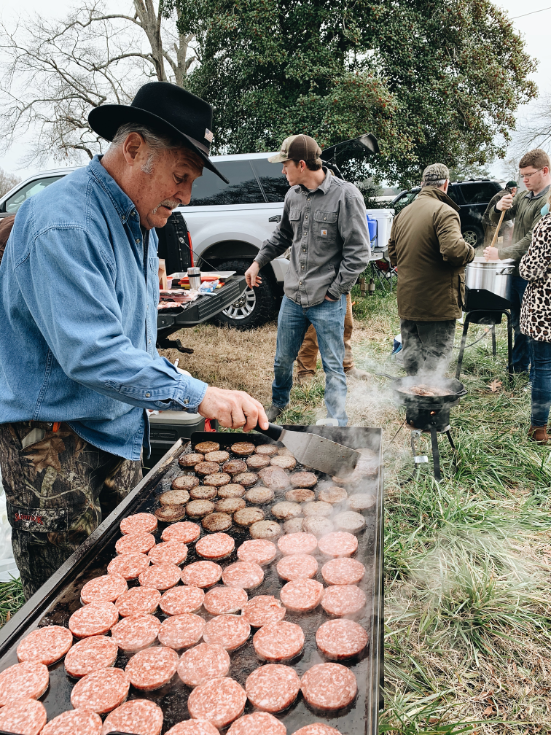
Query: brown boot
pixel 305 379
pixel 539 434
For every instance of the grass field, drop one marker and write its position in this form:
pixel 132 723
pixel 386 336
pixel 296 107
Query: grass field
pixel 466 561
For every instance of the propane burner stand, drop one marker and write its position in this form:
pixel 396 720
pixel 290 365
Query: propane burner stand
pixel 429 421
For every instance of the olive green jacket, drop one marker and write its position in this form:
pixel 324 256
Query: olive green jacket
pixel 527 212
pixel 427 246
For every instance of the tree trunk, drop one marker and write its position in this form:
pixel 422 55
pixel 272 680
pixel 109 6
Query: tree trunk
pixel 151 23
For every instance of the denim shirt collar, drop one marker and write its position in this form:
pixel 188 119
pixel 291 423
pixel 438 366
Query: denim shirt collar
pixel 324 186
pixel 122 202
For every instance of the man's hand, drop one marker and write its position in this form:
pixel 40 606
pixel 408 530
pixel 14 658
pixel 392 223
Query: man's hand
pixel 329 299
pixel 505 203
pixel 233 409
pixel 491 253
pixel 252 277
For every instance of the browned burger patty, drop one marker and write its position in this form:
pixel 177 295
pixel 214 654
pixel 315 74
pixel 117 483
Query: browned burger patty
pixel 205 447
pixel 199 508
pixel 318 508
pixel 318 526
pixel 190 460
pixel 259 495
pixel 174 497
pixel 248 516
pixel 206 468
pixel 243 449
pixel 300 495
pixel 230 505
pixel 218 479
pixel 234 466
pixel 267 450
pixel 286 463
pixel 203 492
pixel 265 530
pixel 184 482
pixel 275 478
pixel 246 478
pixel 217 457
pixel 170 513
pixel 217 522
pixel 257 461
pixel 332 494
pixel 231 491
pixel 302 479
pixel 286 510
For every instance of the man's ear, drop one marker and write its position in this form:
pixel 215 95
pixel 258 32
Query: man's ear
pixel 131 147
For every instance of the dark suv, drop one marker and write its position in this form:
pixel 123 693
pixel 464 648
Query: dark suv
pixel 472 196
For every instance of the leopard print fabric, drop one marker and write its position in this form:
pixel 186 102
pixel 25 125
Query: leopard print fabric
pixel 536 310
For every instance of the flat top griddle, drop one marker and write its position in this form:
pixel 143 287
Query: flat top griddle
pixel 54 603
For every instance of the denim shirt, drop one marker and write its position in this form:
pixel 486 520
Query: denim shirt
pixel 78 317
pixel 328 235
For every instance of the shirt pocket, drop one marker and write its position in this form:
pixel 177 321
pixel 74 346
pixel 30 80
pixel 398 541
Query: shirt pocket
pixel 296 223
pixel 325 226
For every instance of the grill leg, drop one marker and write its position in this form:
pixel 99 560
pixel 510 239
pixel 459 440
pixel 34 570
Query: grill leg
pixel 510 330
pixel 435 452
pixel 462 346
pixel 449 437
pixel 493 337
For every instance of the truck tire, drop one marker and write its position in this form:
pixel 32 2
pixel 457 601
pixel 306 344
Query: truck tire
pixel 255 306
pixel 472 235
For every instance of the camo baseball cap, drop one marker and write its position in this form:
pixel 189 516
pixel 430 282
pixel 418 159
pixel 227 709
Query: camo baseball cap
pixel 298 148
pixel 436 172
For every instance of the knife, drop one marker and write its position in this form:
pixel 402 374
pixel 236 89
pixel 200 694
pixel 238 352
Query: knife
pixel 314 451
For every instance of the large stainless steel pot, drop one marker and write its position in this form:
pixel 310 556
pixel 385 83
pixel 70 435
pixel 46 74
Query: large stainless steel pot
pixel 491 275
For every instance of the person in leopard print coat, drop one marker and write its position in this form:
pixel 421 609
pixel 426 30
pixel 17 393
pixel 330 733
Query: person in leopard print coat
pixel 535 318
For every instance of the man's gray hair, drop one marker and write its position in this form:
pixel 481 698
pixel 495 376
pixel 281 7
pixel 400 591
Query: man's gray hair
pixel 157 143
pixel 433 184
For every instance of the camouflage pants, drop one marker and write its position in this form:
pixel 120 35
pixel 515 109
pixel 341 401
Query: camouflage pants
pixel 58 490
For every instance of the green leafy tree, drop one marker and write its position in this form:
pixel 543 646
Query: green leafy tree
pixel 434 80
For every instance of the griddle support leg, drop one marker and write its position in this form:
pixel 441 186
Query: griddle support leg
pixel 435 452
pixel 510 330
pixel 493 338
pixel 462 346
pixel 449 437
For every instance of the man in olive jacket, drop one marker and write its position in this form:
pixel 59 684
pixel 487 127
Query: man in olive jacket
pixel 427 247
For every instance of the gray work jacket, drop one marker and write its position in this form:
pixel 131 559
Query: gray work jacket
pixel 328 235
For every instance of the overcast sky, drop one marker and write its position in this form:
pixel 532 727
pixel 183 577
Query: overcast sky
pixel 534 26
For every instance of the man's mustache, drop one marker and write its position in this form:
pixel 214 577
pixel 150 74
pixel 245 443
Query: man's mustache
pixel 170 203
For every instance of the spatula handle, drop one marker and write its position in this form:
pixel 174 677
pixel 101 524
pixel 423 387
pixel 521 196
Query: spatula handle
pixel 273 432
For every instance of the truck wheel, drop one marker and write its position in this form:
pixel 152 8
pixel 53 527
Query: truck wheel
pixel 472 235
pixel 256 306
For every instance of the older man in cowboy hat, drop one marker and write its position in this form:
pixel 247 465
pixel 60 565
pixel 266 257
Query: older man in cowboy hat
pixel 78 361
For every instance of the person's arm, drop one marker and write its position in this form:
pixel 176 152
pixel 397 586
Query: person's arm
pixel 509 213
pixel 454 249
pixel 353 228
pixel 517 249
pixel 280 240
pixel 535 264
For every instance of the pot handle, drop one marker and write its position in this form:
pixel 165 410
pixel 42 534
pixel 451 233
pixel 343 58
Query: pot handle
pixel 461 393
pixel 506 270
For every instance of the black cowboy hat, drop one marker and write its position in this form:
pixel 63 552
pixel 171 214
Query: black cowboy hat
pixel 165 108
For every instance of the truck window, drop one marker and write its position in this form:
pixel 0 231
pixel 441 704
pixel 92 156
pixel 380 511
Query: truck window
pixel 273 181
pixel 26 192
pixel 242 189
pixel 480 193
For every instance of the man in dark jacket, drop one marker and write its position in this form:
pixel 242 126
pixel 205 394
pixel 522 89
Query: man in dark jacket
pixel 511 188
pixel 427 247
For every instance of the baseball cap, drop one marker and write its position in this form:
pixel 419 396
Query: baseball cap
pixel 436 172
pixel 511 184
pixel 298 148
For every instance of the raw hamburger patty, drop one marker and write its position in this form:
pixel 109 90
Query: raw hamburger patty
pixel 140 716
pixel 260 495
pixel 248 516
pixel 181 631
pixel 218 479
pixel 286 510
pixel 267 450
pixel 298 543
pixel 193 727
pixel 297 566
pixel 25 717
pixel 229 505
pixel 186 532
pixel 332 494
pixel 153 668
pixel 206 468
pixel 203 663
pixel 349 521
pixel 179 600
pixel 329 686
pixel 139 523
pixel 246 478
pixel 339 639
pixel 216 546
pixel 234 466
pixel 201 574
pixel 263 610
pixel 302 595
pixel 303 479
pixel 138 601
pixel 279 641
pixel 258 551
pixel 216 522
pixel 225 600
pixel 317 728
pixel 205 447
pixel 317 508
pixel 27 680
pixel 191 459
pixel 228 631
pixel 286 463
pixel 91 654
pixel 45 645
pixel 265 530
pixel 220 701
pixel 342 571
pixel 181 484
pixel 136 632
pixel 175 496
pixel 101 691
pixel 170 513
pixel 168 552
pixel 343 599
pixel 339 543
pixel 275 478
pixel 203 492
pixel 74 722
pixel 200 508
pixel 243 574
pixel 258 723
pixel 243 449
pixel 257 462
pixel 94 619
pixel 317 525
pixel 128 566
pixel 218 457
pixel 231 491
pixel 272 688
pixel 135 543
pixel 160 576
pixel 300 495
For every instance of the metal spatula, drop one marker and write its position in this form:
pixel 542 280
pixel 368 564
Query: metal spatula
pixel 315 451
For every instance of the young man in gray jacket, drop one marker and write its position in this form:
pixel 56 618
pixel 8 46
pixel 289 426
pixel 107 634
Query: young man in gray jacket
pixel 324 223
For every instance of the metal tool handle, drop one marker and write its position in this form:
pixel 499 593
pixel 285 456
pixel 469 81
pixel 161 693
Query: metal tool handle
pixel 273 432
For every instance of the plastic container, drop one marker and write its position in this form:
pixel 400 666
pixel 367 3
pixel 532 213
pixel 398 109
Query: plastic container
pixel 166 427
pixel 384 219
pixel 372 228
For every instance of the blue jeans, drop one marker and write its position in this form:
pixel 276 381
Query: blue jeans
pixel 540 388
pixel 328 320
pixel 520 353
